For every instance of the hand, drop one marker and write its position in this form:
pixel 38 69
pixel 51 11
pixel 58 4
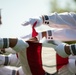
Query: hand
pixel 32 21
pixel 20 46
pixel 60 49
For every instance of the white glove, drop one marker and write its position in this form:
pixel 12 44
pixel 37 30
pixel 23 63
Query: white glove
pixel 21 45
pixel 32 21
pixel 61 51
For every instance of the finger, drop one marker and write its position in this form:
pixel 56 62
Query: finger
pixel 25 23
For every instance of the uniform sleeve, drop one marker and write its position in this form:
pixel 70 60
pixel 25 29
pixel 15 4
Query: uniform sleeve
pixel 64 34
pixel 58 34
pixel 60 20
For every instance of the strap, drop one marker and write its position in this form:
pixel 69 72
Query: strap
pixel 73 49
pixel 13 72
pixel 45 19
pixel 49 34
pixel 5 43
pixel 6 60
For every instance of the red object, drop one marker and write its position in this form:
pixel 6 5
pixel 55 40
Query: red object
pixel 34 58
pixel 61 61
pixel 34 33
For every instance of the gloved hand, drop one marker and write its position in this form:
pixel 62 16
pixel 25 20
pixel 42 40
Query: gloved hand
pixel 20 46
pixel 60 49
pixel 32 21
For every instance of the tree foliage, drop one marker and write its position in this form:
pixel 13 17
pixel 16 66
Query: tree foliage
pixel 70 6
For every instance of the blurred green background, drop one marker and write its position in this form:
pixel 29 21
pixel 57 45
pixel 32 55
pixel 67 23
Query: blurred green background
pixel 61 6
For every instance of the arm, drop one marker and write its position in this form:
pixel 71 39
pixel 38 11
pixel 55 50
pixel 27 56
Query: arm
pixel 56 20
pixel 65 35
pixel 16 44
pixel 60 20
pixel 64 50
pixel 58 34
